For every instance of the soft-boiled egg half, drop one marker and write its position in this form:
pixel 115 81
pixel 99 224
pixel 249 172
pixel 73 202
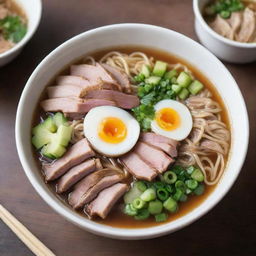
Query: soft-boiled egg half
pixel 172 119
pixel 111 131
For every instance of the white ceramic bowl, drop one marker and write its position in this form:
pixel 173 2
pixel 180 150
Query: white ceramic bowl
pixel 141 35
pixel 33 10
pixel 225 49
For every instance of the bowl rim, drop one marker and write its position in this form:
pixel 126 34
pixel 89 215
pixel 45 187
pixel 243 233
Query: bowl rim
pixel 29 33
pixel 225 40
pixel 104 230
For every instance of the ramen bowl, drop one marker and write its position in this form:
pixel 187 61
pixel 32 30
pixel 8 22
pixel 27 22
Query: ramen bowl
pixel 139 35
pixel 225 49
pixel 33 11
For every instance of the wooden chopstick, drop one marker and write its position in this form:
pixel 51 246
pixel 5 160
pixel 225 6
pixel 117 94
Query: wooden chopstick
pixel 35 245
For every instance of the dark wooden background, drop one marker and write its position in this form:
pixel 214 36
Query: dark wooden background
pixel 229 229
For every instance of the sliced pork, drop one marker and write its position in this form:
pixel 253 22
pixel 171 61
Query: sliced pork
pixel 73 105
pixel 84 186
pixel 86 84
pixel 248 27
pixel 153 137
pixel 95 74
pixel 153 156
pixel 77 153
pixel 169 146
pixel 77 173
pixel 222 27
pixel 119 76
pixel 137 167
pixel 106 199
pixel 122 100
pixel 105 182
pixel 65 91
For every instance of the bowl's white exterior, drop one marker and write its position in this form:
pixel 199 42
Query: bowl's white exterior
pixel 33 10
pixel 223 48
pixel 141 35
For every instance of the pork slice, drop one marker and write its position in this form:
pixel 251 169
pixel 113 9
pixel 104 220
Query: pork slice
pixel 86 84
pixel 168 149
pixel 105 182
pixel 95 74
pixel 248 26
pixel 73 105
pixel 77 173
pixel 83 186
pixel 122 100
pixel 157 141
pixel 119 76
pixel 211 146
pixel 153 138
pixel 153 156
pixel 137 167
pixel 65 91
pixel 106 199
pixel 77 153
pixel 235 22
pixel 222 27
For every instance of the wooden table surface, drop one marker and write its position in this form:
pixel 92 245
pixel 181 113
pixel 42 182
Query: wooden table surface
pixel 229 229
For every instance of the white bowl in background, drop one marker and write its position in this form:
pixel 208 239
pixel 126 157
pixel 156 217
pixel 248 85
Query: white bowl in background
pixel 133 35
pixel 225 49
pixel 33 11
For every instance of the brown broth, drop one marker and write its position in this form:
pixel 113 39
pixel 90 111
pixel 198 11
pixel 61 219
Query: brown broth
pixel 117 218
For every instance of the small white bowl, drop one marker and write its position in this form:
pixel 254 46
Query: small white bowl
pixel 143 36
pixel 33 10
pixel 225 49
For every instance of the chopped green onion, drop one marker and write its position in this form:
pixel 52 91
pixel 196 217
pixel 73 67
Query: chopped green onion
pixel 155 207
pixel 190 169
pixel 170 74
pixel 130 210
pixel 142 214
pixel 154 80
pixel 197 175
pixel 180 185
pixel 170 177
pixel 158 184
pixel 145 70
pixel 184 93
pixel 184 79
pixel 159 68
pixel 170 205
pixel 161 217
pixel 148 195
pixel 138 203
pixel 178 194
pixel 225 14
pixel 199 190
pixel 141 186
pixel 169 188
pixel 191 184
pixel 195 87
pixel 176 88
pixel 162 194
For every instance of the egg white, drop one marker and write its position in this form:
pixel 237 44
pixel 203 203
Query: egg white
pixel 186 121
pixel 92 121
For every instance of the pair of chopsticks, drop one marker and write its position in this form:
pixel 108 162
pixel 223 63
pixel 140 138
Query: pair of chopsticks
pixel 35 245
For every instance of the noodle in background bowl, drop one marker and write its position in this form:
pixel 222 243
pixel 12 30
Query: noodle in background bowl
pixel 144 36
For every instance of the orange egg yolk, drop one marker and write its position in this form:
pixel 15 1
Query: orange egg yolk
pixel 112 130
pixel 168 119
